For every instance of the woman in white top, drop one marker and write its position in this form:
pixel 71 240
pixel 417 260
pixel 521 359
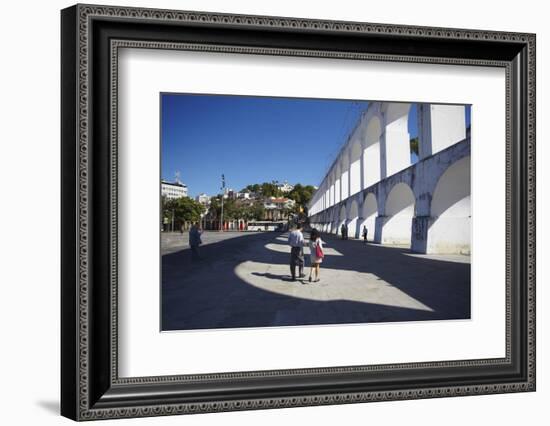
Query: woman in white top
pixel 316 254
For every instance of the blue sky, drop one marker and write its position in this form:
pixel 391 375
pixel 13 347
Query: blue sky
pixel 252 139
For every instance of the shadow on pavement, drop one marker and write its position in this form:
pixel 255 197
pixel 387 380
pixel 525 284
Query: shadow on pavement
pixel 209 294
pixel 273 276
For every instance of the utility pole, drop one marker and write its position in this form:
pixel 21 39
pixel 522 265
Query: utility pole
pixel 223 195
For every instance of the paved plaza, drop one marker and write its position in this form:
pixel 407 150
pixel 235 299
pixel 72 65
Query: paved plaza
pixel 243 280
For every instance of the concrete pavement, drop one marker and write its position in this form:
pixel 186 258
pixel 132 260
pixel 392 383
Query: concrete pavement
pixel 243 280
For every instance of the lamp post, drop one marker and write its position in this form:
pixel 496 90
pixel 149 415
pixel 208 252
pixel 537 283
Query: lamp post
pixel 223 195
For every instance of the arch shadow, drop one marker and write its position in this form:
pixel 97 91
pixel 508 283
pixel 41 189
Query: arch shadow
pixel 210 295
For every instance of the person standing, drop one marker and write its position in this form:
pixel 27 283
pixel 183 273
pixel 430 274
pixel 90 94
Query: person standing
pixel 195 241
pixel 343 231
pixel 316 254
pixel 365 233
pixel 296 242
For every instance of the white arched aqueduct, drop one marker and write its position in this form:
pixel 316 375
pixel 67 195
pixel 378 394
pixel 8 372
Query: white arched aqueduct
pixel 373 183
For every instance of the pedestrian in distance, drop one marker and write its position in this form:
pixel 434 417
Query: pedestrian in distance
pixel 316 254
pixel 195 241
pixel 365 233
pixel 296 242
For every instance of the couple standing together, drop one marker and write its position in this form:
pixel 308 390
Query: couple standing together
pixel 297 243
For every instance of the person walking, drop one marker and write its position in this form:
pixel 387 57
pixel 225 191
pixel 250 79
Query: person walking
pixel 296 242
pixel 365 233
pixel 316 254
pixel 195 241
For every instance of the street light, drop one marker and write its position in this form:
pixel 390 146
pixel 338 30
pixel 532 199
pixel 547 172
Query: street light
pixel 223 195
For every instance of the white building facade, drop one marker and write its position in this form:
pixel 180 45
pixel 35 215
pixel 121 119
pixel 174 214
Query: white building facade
pixel 285 187
pixel 373 184
pixel 203 199
pixel 173 190
pixel 278 208
pixel 244 195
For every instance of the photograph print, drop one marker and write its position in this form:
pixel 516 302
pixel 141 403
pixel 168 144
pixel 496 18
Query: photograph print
pixel 305 212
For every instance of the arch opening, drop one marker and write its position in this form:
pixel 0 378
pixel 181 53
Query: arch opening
pixel 449 231
pixel 368 216
pixel 341 219
pixel 334 222
pixel 397 227
pixel 414 138
pixel 353 217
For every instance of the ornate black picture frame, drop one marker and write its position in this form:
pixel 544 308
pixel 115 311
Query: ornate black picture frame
pixel 91 36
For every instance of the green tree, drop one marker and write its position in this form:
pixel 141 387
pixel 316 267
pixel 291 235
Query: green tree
pixel 414 145
pixel 183 209
pixel 257 211
pixel 215 207
pixel 254 188
pixel 236 209
pixel 270 190
pixel 301 194
pixel 230 209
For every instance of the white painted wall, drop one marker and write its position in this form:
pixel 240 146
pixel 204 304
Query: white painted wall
pixel 399 213
pixel 368 216
pixel 353 216
pixel 355 176
pixel 448 126
pixel 342 219
pixel 450 226
pixel 444 125
pixel 371 161
pixel 452 194
pixel 344 182
pixel 355 166
pixel 397 155
pixel 387 142
pixel 371 154
pixel 449 235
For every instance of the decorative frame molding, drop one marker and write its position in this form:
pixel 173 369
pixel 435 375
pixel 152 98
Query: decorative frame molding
pixel 91 388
